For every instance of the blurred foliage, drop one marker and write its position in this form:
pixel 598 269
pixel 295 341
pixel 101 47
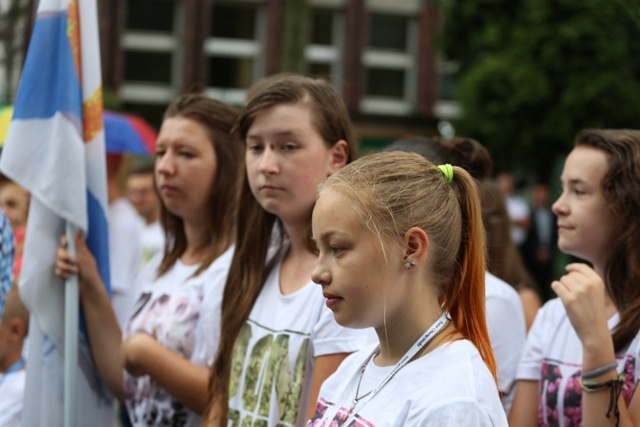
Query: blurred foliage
pixel 535 72
pixel 111 100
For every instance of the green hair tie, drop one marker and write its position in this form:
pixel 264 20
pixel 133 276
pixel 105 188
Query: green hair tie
pixel 447 171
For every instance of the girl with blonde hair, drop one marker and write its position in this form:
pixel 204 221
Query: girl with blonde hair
pixel 401 247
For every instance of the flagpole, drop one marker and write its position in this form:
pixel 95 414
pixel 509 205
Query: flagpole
pixel 71 310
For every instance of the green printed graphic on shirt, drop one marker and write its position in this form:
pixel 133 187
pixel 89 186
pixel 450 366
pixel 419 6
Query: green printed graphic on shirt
pixel 264 369
pixel 239 353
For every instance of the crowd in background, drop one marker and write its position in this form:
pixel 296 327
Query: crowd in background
pixel 218 244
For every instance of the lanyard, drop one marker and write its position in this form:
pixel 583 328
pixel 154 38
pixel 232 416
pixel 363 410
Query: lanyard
pixel 14 368
pixel 415 348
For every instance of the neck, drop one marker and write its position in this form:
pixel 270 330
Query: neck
pixel 405 329
pixel 194 232
pixel 298 238
pixel 10 359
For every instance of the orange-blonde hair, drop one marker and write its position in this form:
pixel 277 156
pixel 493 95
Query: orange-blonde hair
pixel 395 191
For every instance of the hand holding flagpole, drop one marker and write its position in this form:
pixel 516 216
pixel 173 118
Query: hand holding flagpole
pixel 55 149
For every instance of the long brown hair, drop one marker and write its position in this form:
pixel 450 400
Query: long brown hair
pixel 218 119
pixel 396 191
pixel 250 267
pixel 620 188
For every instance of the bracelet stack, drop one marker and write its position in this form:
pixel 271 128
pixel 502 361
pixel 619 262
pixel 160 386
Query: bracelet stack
pixel 599 371
pixel 615 386
pixel 590 386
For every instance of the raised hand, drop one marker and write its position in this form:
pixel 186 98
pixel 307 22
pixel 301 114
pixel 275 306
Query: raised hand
pixel 583 294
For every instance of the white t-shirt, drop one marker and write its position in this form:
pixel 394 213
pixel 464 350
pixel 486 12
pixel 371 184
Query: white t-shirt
pixel 151 242
pixel 11 396
pixel 273 359
pixel 553 357
pixel 449 387
pixel 507 332
pixel 183 314
pixel 125 227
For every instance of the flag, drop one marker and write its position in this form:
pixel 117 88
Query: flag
pixel 55 149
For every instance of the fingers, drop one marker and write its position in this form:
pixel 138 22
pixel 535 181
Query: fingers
pixel 65 264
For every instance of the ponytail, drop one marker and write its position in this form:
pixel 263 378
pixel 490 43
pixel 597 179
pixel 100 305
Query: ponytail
pixel 464 299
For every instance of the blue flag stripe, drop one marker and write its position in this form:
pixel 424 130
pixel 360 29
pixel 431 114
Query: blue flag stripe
pixel 42 94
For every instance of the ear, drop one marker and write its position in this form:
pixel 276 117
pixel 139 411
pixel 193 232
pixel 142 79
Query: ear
pixel 339 156
pixel 416 244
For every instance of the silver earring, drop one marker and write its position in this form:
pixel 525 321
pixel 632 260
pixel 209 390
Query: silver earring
pixel 409 264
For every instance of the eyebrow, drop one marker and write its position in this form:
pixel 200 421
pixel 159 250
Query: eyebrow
pixel 574 181
pixel 326 234
pixel 277 134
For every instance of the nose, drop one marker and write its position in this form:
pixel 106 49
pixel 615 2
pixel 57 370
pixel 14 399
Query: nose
pixel 320 274
pixel 269 162
pixel 559 207
pixel 165 165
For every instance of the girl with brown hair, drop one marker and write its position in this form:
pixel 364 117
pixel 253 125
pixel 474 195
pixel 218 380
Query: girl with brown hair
pixel 173 330
pixel 279 341
pixel 580 362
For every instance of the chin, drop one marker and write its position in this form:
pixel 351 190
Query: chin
pixel 350 323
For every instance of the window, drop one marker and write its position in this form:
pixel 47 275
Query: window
pixel 151 51
pixel 150 15
pixel 324 51
pixel 390 63
pixel 388 32
pixel 446 106
pixel 234 49
pixel 233 21
pixel 148 66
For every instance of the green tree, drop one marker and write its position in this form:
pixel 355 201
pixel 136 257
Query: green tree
pixel 535 72
pixel 13 14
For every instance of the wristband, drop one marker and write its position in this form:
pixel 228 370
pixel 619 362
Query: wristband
pixel 599 371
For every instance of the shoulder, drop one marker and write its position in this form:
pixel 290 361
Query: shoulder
pixel 460 390
pixel 222 263
pixel 463 412
pixel 552 312
pixel 496 288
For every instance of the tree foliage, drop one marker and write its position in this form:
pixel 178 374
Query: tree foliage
pixel 13 13
pixel 535 72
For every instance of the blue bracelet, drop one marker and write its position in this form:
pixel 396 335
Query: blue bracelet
pixel 599 371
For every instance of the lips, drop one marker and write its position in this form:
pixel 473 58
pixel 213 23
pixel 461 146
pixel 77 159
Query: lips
pixel 168 189
pixel 563 227
pixel 270 188
pixel 332 300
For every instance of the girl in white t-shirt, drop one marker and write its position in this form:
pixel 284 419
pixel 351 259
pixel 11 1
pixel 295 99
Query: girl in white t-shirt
pixel 279 341
pixel 580 362
pixel 172 333
pixel 401 245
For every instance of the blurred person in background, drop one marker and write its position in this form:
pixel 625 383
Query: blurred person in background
pixel 14 326
pixel 14 202
pixel 517 207
pixel 125 227
pixel 142 194
pixel 540 246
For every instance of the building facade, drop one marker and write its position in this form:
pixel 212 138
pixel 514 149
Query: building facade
pixel 380 54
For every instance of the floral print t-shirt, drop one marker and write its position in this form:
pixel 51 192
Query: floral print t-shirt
pixel 553 357
pixel 182 313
